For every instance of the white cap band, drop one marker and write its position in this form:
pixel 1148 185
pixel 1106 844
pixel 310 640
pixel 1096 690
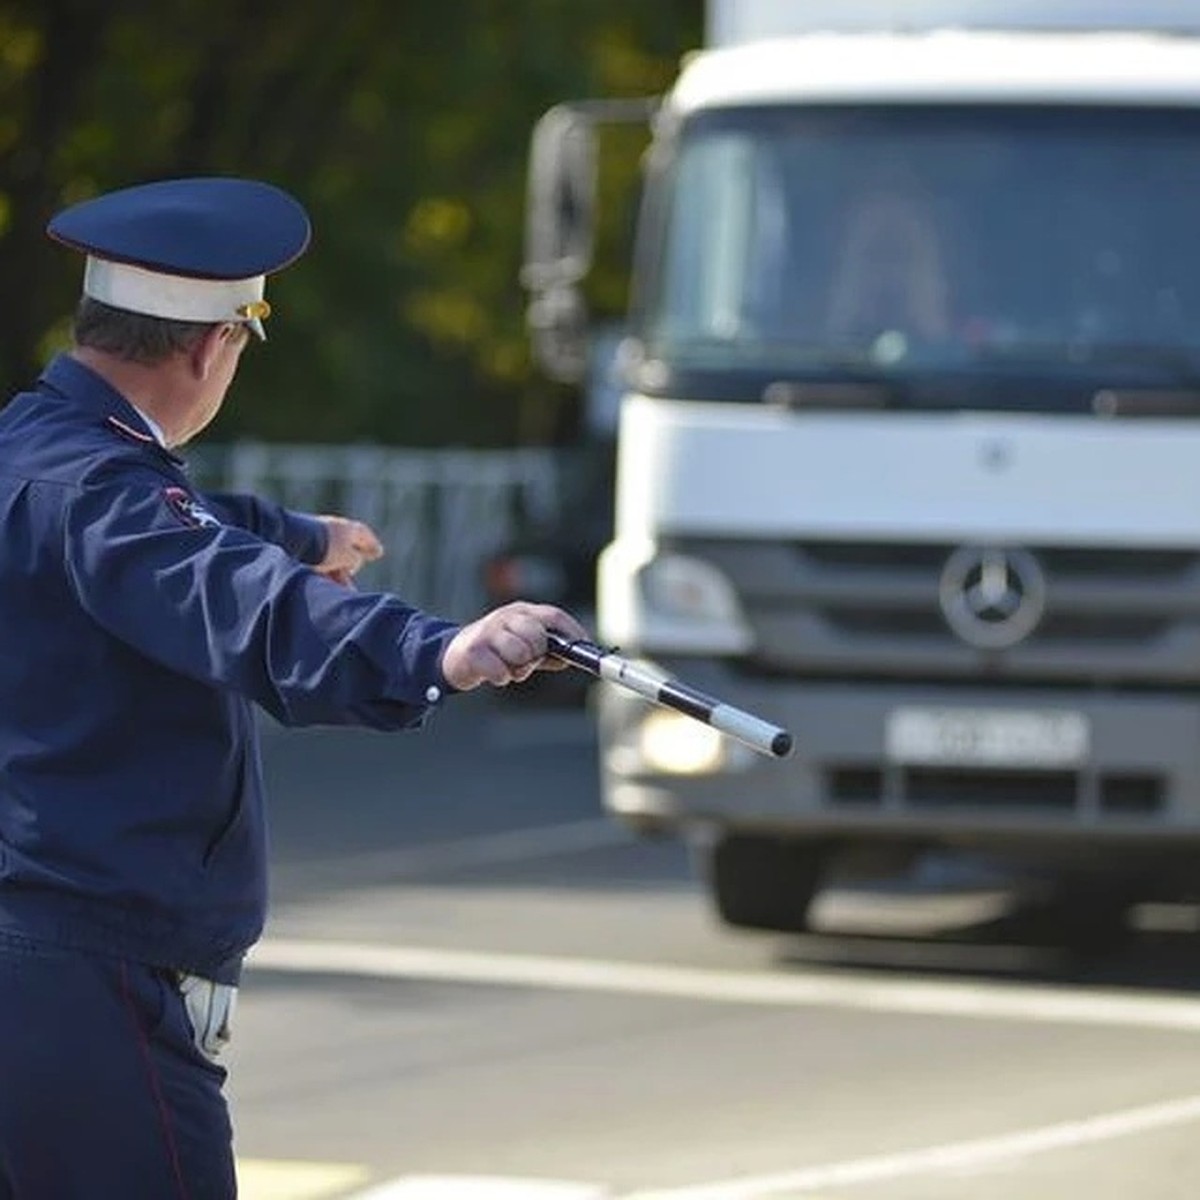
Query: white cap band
pixel 175 297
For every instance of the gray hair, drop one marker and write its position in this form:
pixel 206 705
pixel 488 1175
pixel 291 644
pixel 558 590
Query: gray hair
pixel 133 336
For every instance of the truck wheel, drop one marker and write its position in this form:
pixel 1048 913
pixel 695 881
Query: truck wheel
pixel 1081 917
pixel 760 882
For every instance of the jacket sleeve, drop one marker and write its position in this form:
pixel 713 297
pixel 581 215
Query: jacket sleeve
pixel 304 537
pixel 155 568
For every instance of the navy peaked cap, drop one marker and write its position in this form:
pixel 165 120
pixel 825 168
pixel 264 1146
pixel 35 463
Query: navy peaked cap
pixel 186 249
pixel 207 228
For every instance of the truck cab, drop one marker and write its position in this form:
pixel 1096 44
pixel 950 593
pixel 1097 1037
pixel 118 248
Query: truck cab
pixel 907 452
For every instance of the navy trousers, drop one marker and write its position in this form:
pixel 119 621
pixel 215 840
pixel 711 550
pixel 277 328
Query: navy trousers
pixel 102 1092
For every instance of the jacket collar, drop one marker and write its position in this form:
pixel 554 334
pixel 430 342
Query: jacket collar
pixel 71 379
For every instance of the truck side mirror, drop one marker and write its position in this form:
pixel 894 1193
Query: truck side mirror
pixel 559 234
pixel 560 229
pixel 562 196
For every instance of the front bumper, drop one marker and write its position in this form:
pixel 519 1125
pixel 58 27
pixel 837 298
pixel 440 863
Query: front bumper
pixel 1139 781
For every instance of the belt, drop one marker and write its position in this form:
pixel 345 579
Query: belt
pixel 210 1008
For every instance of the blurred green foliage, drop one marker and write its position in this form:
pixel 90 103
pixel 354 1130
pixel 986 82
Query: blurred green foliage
pixel 403 126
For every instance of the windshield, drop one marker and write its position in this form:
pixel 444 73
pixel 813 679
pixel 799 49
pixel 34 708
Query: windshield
pixel 991 245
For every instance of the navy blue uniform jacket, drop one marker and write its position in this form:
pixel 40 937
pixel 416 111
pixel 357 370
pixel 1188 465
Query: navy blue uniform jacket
pixel 139 623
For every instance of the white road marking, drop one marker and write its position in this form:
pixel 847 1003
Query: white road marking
pixel 942 998
pixel 966 1157
pixel 274 1179
pixel 480 1187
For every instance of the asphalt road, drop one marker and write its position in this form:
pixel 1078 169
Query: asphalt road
pixel 475 987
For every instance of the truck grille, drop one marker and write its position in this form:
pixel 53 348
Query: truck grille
pixel 1063 627
pixel 1105 614
pixel 1117 794
pixel 1076 560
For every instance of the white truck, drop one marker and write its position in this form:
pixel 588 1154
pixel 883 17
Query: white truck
pixel 909 446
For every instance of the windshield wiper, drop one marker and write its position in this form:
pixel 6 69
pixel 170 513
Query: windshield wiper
pixel 839 394
pixel 1179 362
pixel 1147 402
pixel 1178 396
pixel 851 377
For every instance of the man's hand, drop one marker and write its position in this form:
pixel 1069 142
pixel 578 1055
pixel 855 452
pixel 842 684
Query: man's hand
pixel 506 645
pixel 351 545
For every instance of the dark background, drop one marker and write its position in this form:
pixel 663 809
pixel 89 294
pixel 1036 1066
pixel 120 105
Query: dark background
pixel 402 126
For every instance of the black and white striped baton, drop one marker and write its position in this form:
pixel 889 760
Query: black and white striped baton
pixel 756 733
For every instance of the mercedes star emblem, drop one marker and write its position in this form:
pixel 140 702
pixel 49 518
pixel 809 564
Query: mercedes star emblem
pixel 992 598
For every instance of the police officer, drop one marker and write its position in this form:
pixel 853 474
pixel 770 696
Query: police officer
pixel 140 621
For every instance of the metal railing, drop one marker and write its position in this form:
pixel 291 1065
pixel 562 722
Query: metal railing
pixel 439 513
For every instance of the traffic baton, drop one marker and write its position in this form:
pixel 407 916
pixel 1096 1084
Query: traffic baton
pixel 756 733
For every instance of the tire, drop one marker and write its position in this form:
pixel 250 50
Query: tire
pixel 759 882
pixel 1079 915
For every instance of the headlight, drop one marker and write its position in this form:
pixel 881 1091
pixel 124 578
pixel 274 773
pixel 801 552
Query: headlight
pixel 689 588
pixel 668 603
pixel 678 745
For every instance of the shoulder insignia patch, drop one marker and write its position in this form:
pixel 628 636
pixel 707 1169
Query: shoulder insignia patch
pixel 188 509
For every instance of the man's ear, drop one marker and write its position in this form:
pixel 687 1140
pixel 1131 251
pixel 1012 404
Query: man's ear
pixel 207 349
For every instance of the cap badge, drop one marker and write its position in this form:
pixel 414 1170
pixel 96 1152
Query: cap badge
pixel 255 310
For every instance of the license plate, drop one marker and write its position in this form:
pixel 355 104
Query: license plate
pixel 982 737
